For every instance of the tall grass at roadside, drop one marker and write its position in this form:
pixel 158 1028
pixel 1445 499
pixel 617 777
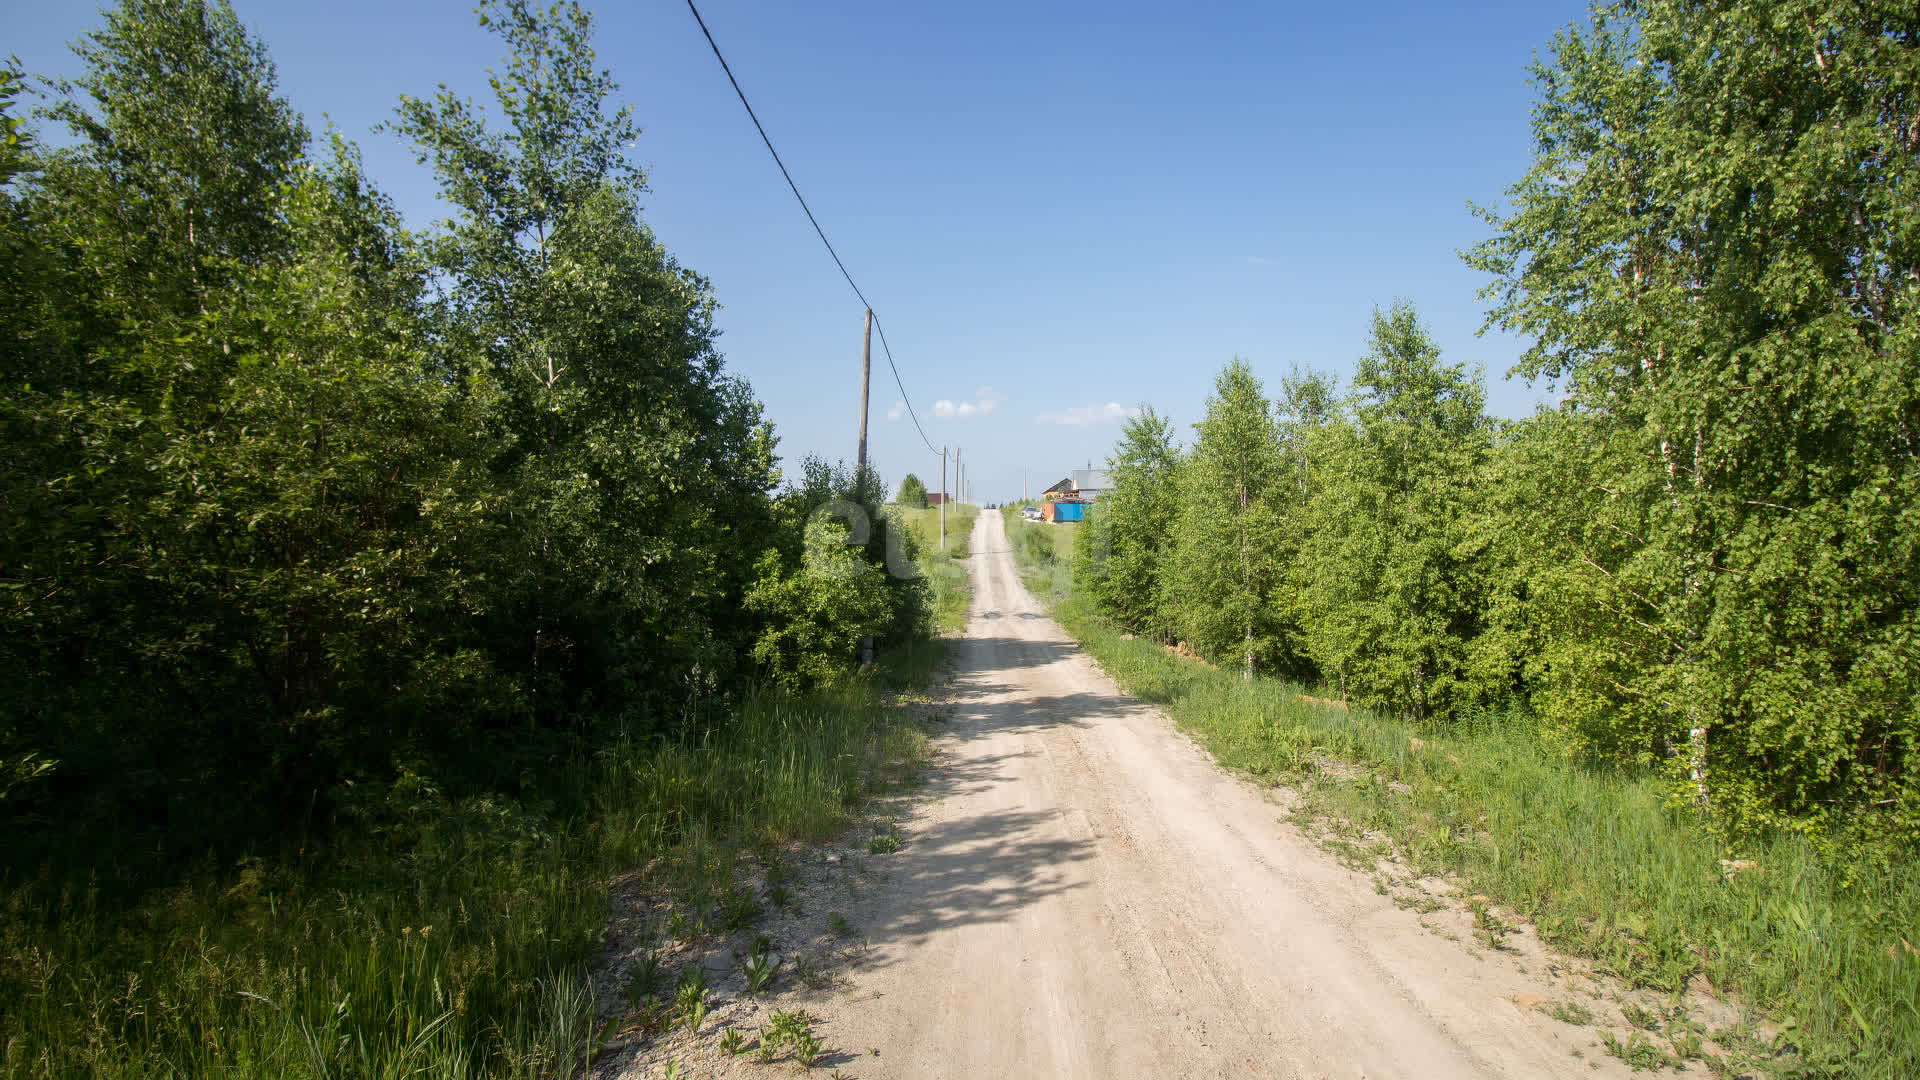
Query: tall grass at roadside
pixel 449 937
pixel 1597 856
pixel 946 568
pixel 1043 553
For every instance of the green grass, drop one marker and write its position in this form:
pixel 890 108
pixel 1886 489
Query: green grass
pixel 1594 855
pixel 449 937
pixel 1043 551
pixel 946 569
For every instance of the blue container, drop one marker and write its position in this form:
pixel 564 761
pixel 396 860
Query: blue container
pixel 1069 511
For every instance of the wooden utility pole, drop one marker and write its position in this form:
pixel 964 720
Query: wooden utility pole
pixel 866 373
pixel 943 498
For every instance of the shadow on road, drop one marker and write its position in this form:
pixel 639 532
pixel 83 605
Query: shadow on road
pixel 981 866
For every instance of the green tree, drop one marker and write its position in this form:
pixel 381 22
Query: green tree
pixel 912 494
pixel 814 615
pixel 19 762
pixel 1225 562
pixel 1306 411
pixel 1130 534
pixel 1394 572
pixel 1308 402
pixel 639 471
pixel 16 140
pixel 810 602
pixel 1715 252
pixel 232 486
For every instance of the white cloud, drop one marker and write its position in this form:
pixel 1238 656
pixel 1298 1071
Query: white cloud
pixel 985 399
pixel 899 410
pixel 1089 415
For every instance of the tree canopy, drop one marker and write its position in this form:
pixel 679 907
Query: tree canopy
pixel 299 502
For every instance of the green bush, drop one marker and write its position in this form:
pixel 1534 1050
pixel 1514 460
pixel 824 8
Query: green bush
pixel 814 615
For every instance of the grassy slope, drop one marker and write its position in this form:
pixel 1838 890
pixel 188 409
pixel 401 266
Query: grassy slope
pixel 452 936
pixel 946 569
pixel 1043 551
pixel 1600 861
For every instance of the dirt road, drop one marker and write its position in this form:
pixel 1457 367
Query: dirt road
pixel 1085 894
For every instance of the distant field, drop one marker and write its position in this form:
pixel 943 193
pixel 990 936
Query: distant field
pixel 946 569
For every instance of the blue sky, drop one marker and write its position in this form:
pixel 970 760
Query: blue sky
pixel 1059 211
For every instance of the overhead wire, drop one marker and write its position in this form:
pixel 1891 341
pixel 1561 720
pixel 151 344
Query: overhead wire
pixel 885 349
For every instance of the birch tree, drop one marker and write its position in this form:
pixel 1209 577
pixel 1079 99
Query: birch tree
pixel 1132 532
pixel 1392 571
pixel 639 470
pixel 1226 562
pixel 1717 254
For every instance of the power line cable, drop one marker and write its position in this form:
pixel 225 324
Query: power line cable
pixel 822 233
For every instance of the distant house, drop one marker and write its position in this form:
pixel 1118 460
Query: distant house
pixel 1090 484
pixel 1068 499
pixel 1084 485
pixel 934 498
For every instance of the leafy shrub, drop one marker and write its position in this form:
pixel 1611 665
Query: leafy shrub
pixel 815 615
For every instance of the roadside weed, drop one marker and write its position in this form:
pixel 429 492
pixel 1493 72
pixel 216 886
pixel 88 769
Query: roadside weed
pixel 790 1029
pixel 1644 1019
pixel 1570 1012
pixel 1420 902
pixel 789 1025
pixel 643 979
pixel 759 971
pixel 732 1042
pixel 736 910
pixel 1638 1052
pixel 808 970
pixel 837 923
pixel 1489 929
pixel 681 928
pixel 650 1017
pixel 693 980
pixel 806 1049
pixel 691 1000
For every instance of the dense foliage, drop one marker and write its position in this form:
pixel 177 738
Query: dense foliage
pixel 1706 559
pixel 1717 252
pixel 297 502
pixel 912 494
pixel 358 585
